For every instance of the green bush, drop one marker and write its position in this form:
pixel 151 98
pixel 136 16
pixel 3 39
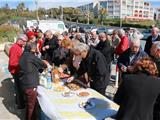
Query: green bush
pixel 7 33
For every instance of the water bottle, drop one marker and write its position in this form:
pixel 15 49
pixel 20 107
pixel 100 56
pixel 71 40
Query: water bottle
pixel 49 81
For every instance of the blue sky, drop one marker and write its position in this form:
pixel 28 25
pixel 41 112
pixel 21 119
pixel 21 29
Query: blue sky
pixel 56 3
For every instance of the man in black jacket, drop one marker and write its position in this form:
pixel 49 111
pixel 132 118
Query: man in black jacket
pixel 50 44
pixel 131 55
pixel 29 78
pixel 105 48
pixel 153 38
pixel 94 63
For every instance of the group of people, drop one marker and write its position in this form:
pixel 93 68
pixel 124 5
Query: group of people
pixel 90 58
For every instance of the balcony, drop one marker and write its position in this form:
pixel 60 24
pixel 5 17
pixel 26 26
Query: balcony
pixel 146 4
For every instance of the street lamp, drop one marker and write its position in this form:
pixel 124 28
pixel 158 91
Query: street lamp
pixel 36 2
pixel 120 13
pixel 87 10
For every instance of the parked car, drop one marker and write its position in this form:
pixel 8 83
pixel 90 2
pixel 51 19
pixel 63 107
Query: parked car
pixel 73 27
pixel 146 33
pixel 109 31
pixel 101 30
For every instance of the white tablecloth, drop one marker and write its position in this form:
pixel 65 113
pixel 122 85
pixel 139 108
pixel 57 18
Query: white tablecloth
pixel 58 107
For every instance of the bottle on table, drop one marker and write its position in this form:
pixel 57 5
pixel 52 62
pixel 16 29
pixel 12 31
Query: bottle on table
pixel 49 81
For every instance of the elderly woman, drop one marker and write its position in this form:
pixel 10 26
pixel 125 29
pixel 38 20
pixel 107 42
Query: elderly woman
pixel 138 91
pixel 94 63
pixel 131 55
pixel 155 53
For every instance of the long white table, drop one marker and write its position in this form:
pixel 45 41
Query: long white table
pixel 57 107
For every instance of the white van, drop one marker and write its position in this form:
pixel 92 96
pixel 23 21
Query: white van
pixel 44 25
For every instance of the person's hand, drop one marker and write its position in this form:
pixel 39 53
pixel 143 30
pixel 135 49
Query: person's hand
pixel 47 47
pixel 45 61
pixel 70 79
pixel 130 69
pixel 49 66
pixel 123 68
pixel 43 49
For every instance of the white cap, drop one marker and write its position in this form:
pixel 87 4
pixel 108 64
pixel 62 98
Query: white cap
pixel 94 30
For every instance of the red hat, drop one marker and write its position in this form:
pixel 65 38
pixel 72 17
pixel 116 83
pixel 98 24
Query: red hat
pixel 30 34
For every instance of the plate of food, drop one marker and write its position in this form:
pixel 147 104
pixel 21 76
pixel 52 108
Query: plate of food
pixel 59 88
pixel 83 94
pixel 73 86
pixel 87 105
pixel 68 94
pixel 63 75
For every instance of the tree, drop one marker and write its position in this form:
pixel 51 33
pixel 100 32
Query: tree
pixel 103 13
pixel 21 7
pixel 6 9
pixel 6 6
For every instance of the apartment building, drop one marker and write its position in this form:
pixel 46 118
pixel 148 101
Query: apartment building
pixel 157 14
pixel 126 9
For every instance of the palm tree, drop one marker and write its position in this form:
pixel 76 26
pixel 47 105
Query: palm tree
pixel 21 7
pixel 103 13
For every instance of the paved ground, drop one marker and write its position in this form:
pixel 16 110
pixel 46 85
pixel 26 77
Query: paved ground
pixel 8 109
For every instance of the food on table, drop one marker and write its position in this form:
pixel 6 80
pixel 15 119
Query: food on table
pixel 55 75
pixel 83 94
pixel 73 86
pixel 63 75
pixel 59 88
pixel 87 105
pixel 67 94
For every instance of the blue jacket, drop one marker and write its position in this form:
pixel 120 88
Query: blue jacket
pixel 124 59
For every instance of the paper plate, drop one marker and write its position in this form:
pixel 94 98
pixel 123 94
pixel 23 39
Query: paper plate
pixel 68 94
pixel 87 105
pixel 83 94
pixel 59 88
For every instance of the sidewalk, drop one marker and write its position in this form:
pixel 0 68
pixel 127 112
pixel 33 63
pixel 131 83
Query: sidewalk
pixel 8 109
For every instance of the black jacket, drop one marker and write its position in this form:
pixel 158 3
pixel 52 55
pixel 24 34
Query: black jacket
pixel 96 67
pixel 149 43
pixel 29 66
pixel 125 60
pixel 60 56
pixel 157 104
pixel 53 45
pixel 106 49
pixel 136 97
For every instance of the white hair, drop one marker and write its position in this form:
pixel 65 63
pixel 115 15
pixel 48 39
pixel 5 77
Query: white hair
pixel 135 39
pixel 80 47
pixel 102 34
pixel 156 29
pixel 155 47
pixel 121 32
pixel 49 32
pixel 22 37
